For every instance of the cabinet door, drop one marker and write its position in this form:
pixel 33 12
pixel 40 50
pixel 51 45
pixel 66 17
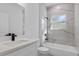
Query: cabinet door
pixel 30 50
pixel 4 23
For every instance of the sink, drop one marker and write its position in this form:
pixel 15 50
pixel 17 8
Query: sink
pixel 14 43
pixel 4 39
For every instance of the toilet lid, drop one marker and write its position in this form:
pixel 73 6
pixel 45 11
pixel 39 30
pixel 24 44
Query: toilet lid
pixel 43 49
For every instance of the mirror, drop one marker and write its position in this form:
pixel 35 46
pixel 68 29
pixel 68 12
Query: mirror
pixel 11 19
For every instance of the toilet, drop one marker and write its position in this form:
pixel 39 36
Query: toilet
pixel 42 50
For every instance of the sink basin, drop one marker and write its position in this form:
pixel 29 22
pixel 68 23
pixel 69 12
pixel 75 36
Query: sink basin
pixel 4 38
pixel 14 43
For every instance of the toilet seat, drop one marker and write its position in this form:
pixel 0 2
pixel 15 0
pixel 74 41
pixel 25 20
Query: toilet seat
pixel 43 49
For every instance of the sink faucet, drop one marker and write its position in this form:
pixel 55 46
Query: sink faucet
pixel 9 34
pixel 12 36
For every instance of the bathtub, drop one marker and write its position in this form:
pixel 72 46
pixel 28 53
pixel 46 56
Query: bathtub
pixel 61 50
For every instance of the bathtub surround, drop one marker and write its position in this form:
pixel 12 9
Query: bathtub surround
pixel 77 26
pixel 61 37
pixel 67 9
pixel 61 9
pixel 64 46
pixel 61 50
pixel 66 35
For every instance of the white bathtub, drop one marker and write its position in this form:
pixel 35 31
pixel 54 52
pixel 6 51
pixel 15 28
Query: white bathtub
pixel 61 50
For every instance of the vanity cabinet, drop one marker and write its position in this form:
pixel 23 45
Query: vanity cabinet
pixel 29 50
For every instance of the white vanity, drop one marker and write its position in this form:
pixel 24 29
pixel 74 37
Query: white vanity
pixel 13 20
pixel 23 47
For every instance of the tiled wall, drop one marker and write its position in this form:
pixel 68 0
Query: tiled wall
pixel 61 9
pixel 59 36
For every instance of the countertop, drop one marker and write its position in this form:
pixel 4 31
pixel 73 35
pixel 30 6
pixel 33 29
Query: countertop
pixel 11 46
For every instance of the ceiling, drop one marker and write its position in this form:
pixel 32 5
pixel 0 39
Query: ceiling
pixel 46 4
pixel 50 4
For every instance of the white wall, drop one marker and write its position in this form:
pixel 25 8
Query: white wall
pixel 32 20
pixel 42 14
pixel 77 25
pixel 34 12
